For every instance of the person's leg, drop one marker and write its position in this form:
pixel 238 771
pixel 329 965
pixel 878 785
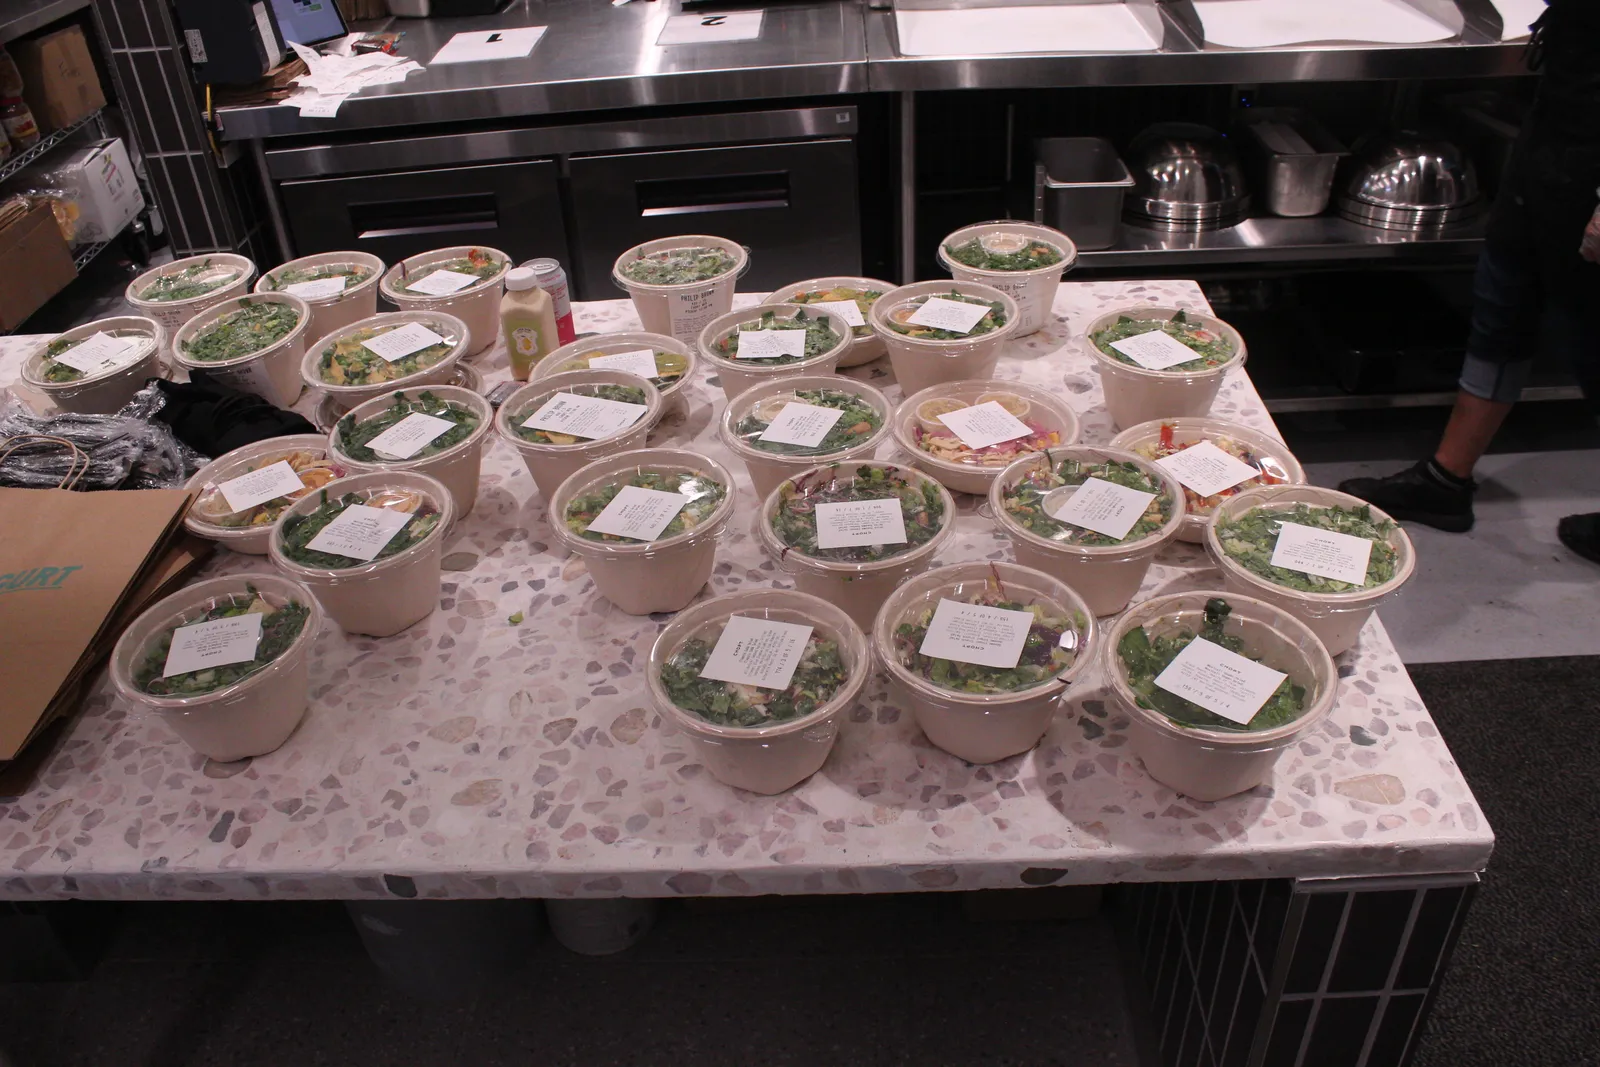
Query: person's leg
pixel 1473 423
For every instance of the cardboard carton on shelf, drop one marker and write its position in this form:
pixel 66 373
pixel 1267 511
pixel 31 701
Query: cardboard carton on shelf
pixel 34 265
pixel 59 81
pixel 99 179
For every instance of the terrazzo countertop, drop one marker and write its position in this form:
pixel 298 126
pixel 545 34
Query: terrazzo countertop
pixel 468 757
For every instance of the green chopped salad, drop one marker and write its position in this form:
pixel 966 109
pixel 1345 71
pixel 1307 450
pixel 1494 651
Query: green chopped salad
pixel 1145 656
pixel 1004 252
pixel 280 625
pixel 795 518
pixel 858 423
pixel 821 673
pixel 52 371
pixel 1034 500
pixel 353 273
pixel 900 318
pixel 863 298
pixel 299 530
pixel 257 324
pixel 679 266
pixel 354 438
pixel 347 361
pixel 1250 539
pixel 622 394
pixel 704 493
pixel 1053 644
pixel 1212 348
pixel 480 263
pixel 197 279
pixel 820 337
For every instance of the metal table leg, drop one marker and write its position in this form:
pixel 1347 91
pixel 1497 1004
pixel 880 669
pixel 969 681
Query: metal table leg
pixel 908 188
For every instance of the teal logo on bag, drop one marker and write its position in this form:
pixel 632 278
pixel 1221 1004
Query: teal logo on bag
pixel 37 578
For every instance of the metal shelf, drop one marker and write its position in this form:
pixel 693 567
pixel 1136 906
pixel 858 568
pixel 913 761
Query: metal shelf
pixel 15 164
pixel 1322 239
pixel 21 17
pixel 88 254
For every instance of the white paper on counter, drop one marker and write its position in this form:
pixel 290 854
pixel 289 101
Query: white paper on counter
pixel 213 644
pixel 260 485
pixel 318 289
pixel 1516 16
pixel 331 79
pixel 991 31
pixel 1207 469
pixel 1270 23
pixel 98 352
pixel 1104 507
pixel 400 342
pixel 976 633
pixel 640 361
pixel 942 313
pixel 360 532
pixel 480 45
pixel 593 417
pixel 757 652
pixel 410 435
pixel 848 310
pixel 982 425
pixel 1324 553
pixel 1223 682
pixel 771 344
pixel 801 424
pixel 638 513
pixel 854 523
pixel 711 27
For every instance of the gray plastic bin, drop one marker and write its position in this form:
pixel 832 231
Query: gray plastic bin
pixel 1078 186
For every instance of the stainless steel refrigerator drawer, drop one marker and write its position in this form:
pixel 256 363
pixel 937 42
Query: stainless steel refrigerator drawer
pixel 793 204
pixel 515 207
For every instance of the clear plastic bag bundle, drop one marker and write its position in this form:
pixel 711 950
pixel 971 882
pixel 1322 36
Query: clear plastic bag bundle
pixel 128 450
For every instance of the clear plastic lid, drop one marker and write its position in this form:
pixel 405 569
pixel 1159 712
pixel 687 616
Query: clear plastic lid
pixel 469 413
pixel 1214 342
pixel 616 386
pixel 486 266
pixel 862 423
pixel 307 456
pixel 895 313
pixel 1162 438
pixel 241 327
pixel 925 508
pixel 825 334
pixel 832 668
pixel 1245 529
pixel 1007 247
pixel 920 429
pixel 140 338
pixel 189 279
pixel 705 484
pixel 424 499
pixel 1058 642
pixel 343 360
pixel 358 269
pixel 674 360
pixel 691 259
pixel 863 292
pixel 1030 494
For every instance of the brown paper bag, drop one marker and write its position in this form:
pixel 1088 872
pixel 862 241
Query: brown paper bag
pixel 68 562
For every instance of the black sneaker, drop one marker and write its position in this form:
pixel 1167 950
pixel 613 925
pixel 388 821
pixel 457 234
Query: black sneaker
pixel 1581 533
pixel 1425 493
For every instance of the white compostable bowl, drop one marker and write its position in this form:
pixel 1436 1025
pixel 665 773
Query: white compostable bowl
pixel 272 371
pixel 682 310
pixel 1034 290
pixel 1136 394
pixel 102 392
pixel 209 501
pixel 868 345
pixel 923 362
pixel 330 313
pixel 738 375
pixel 768 468
pixel 174 313
pixel 438 372
pixel 669 352
pixel 477 305
pixel 976 471
pixel 551 464
pixel 457 466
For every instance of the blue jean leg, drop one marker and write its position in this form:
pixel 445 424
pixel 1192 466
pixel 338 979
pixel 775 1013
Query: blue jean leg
pixel 1506 314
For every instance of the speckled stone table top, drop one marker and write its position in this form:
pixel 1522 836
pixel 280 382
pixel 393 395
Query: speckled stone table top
pixel 467 757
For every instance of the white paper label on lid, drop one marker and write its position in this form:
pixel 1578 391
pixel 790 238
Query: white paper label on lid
pixel 260 485
pixel 975 633
pixel 593 417
pixel 848 310
pixel 709 28
pixel 1324 553
pixel 480 45
pixel 982 425
pixel 640 361
pixel 801 424
pixel 213 644
pixel 690 312
pixel 771 344
pixel 854 523
pixel 1223 682
pixel 402 341
pixel 360 532
pixel 98 352
pixel 319 289
pixel 1104 507
pixel 1207 469
pixel 638 513
pixel 957 316
pixel 410 435
pixel 1156 350
pixel 442 283
pixel 757 652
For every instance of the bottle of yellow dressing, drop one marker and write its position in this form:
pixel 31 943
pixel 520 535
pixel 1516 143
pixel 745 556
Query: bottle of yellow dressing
pixel 528 320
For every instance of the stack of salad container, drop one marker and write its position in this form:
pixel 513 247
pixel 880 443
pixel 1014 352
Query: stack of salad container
pixel 228 685
pixel 840 293
pixel 819 419
pixel 852 532
pixel 1129 509
pixel 1002 644
pixel 679 284
pixel 175 292
pixel 384 352
pixel 464 280
pixel 340 287
pixel 935 333
pixel 255 344
pixel 762 737
pixel 999 422
pixel 665 362
pixel 240 514
pixel 813 340
pixel 1204 741
pixel 96 368
pixel 1249 457
pixel 578 417
pixel 1341 559
pixel 375 571
pixel 438 430
pixel 646 524
pixel 1022 259
pixel 1161 362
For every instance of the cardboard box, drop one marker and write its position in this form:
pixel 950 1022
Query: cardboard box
pixel 34 265
pixel 59 81
pixel 100 179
